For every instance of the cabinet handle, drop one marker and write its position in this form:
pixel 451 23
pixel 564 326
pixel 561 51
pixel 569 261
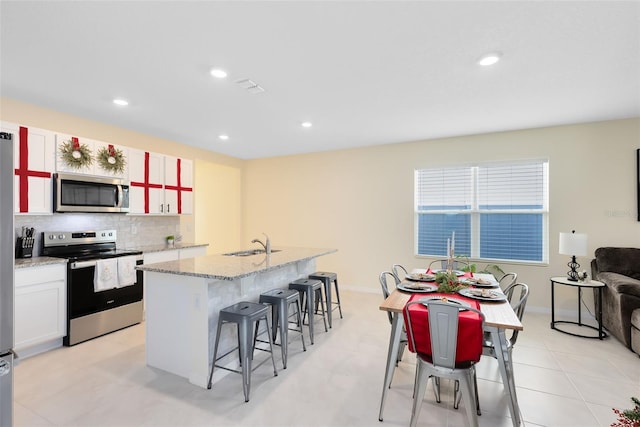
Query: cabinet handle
pixel 168 208
pixel 161 208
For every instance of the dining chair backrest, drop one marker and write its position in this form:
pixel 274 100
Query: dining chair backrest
pixel 384 276
pixel 507 280
pixel 441 264
pixel 517 294
pixel 443 333
pixel 399 271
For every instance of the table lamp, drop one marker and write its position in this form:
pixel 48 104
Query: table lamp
pixel 575 245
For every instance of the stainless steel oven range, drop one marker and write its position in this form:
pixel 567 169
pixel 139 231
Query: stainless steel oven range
pixel 95 308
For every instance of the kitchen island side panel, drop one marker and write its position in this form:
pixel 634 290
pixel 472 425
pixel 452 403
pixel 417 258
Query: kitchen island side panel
pixel 182 316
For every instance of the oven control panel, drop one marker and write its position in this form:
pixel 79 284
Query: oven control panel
pixel 63 238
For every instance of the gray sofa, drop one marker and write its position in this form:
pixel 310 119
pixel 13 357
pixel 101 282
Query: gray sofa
pixel 619 269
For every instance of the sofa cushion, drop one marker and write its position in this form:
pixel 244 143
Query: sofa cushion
pixel 620 283
pixel 625 261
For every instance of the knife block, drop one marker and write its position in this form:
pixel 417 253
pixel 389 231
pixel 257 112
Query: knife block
pixel 24 247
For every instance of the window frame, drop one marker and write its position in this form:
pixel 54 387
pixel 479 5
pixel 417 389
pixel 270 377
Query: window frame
pixel 475 212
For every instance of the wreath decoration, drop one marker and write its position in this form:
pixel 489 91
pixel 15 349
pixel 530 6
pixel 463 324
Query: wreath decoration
pixel 75 155
pixel 111 159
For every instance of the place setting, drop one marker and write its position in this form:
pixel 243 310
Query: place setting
pixel 483 294
pixel 417 287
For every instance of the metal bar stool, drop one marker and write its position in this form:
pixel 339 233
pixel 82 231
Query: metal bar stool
pixel 310 290
pixel 281 300
pixel 327 277
pixel 244 315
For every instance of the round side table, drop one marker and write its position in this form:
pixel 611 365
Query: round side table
pixel 591 284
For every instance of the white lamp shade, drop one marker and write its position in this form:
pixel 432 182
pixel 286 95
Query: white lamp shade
pixel 573 244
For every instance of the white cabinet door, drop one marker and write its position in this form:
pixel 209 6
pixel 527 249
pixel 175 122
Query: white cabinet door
pixel 146 182
pixel 75 154
pixel 112 160
pixel 34 162
pixel 193 252
pixel 160 184
pixel 178 185
pixel 162 256
pixel 40 305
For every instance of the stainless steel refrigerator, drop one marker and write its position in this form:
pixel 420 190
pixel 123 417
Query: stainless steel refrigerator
pixel 6 279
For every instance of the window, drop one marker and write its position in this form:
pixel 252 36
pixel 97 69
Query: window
pixel 498 211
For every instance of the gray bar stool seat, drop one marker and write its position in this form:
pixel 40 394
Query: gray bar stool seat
pixel 327 277
pixel 310 292
pixel 244 315
pixel 281 300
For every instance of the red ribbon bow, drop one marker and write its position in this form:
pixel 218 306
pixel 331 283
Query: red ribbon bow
pixel 76 143
pixel 111 150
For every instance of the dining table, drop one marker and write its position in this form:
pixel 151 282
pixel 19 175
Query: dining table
pixel 499 318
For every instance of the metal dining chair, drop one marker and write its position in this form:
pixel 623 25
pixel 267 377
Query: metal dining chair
pixel 384 276
pixel 438 353
pixel 507 280
pixel 399 271
pixel 517 295
pixel 441 264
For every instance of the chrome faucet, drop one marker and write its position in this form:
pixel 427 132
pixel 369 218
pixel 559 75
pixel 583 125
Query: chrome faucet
pixel 266 245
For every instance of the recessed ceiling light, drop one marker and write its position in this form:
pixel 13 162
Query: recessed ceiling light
pixel 489 58
pixel 306 124
pixel 223 137
pixel 217 72
pixel 121 102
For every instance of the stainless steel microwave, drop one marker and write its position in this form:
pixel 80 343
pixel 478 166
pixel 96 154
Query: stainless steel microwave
pixel 81 193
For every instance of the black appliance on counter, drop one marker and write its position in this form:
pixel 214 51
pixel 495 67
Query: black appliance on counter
pixel 92 313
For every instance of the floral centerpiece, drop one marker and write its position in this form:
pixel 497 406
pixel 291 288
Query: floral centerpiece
pixel 448 282
pixel 75 155
pixel 111 159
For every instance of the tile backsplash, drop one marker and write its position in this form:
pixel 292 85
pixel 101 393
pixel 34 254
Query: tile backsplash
pixel 133 230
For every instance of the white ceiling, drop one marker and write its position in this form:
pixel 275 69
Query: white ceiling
pixel 364 73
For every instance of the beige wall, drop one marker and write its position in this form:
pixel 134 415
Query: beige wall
pixel 219 209
pixel 360 201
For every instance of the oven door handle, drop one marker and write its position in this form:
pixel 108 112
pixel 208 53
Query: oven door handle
pixel 76 265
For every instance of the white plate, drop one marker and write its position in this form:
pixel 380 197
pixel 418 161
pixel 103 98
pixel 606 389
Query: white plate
pixel 421 277
pixel 483 294
pixel 417 287
pixel 474 282
pixel 448 299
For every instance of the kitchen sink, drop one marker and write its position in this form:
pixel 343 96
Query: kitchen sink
pixel 250 252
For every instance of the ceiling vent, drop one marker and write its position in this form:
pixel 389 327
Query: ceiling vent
pixel 250 86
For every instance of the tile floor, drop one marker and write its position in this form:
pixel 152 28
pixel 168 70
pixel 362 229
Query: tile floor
pixel 561 381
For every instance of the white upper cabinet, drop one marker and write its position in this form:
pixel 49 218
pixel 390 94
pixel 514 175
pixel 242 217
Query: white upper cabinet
pixel 90 157
pixel 159 184
pixel 146 182
pixel 34 162
pixel 178 186
pixel 75 154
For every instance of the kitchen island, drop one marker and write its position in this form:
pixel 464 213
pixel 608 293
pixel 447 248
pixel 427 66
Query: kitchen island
pixel 183 299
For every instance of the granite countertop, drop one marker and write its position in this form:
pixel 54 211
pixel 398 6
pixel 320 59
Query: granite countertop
pixel 45 260
pixel 38 261
pixel 224 267
pixel 164 247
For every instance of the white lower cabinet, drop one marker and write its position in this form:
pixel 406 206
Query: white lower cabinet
pixel 40 308
pixel 193 252
pixel 161 256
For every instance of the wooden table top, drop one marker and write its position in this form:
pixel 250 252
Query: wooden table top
pixel 496 314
